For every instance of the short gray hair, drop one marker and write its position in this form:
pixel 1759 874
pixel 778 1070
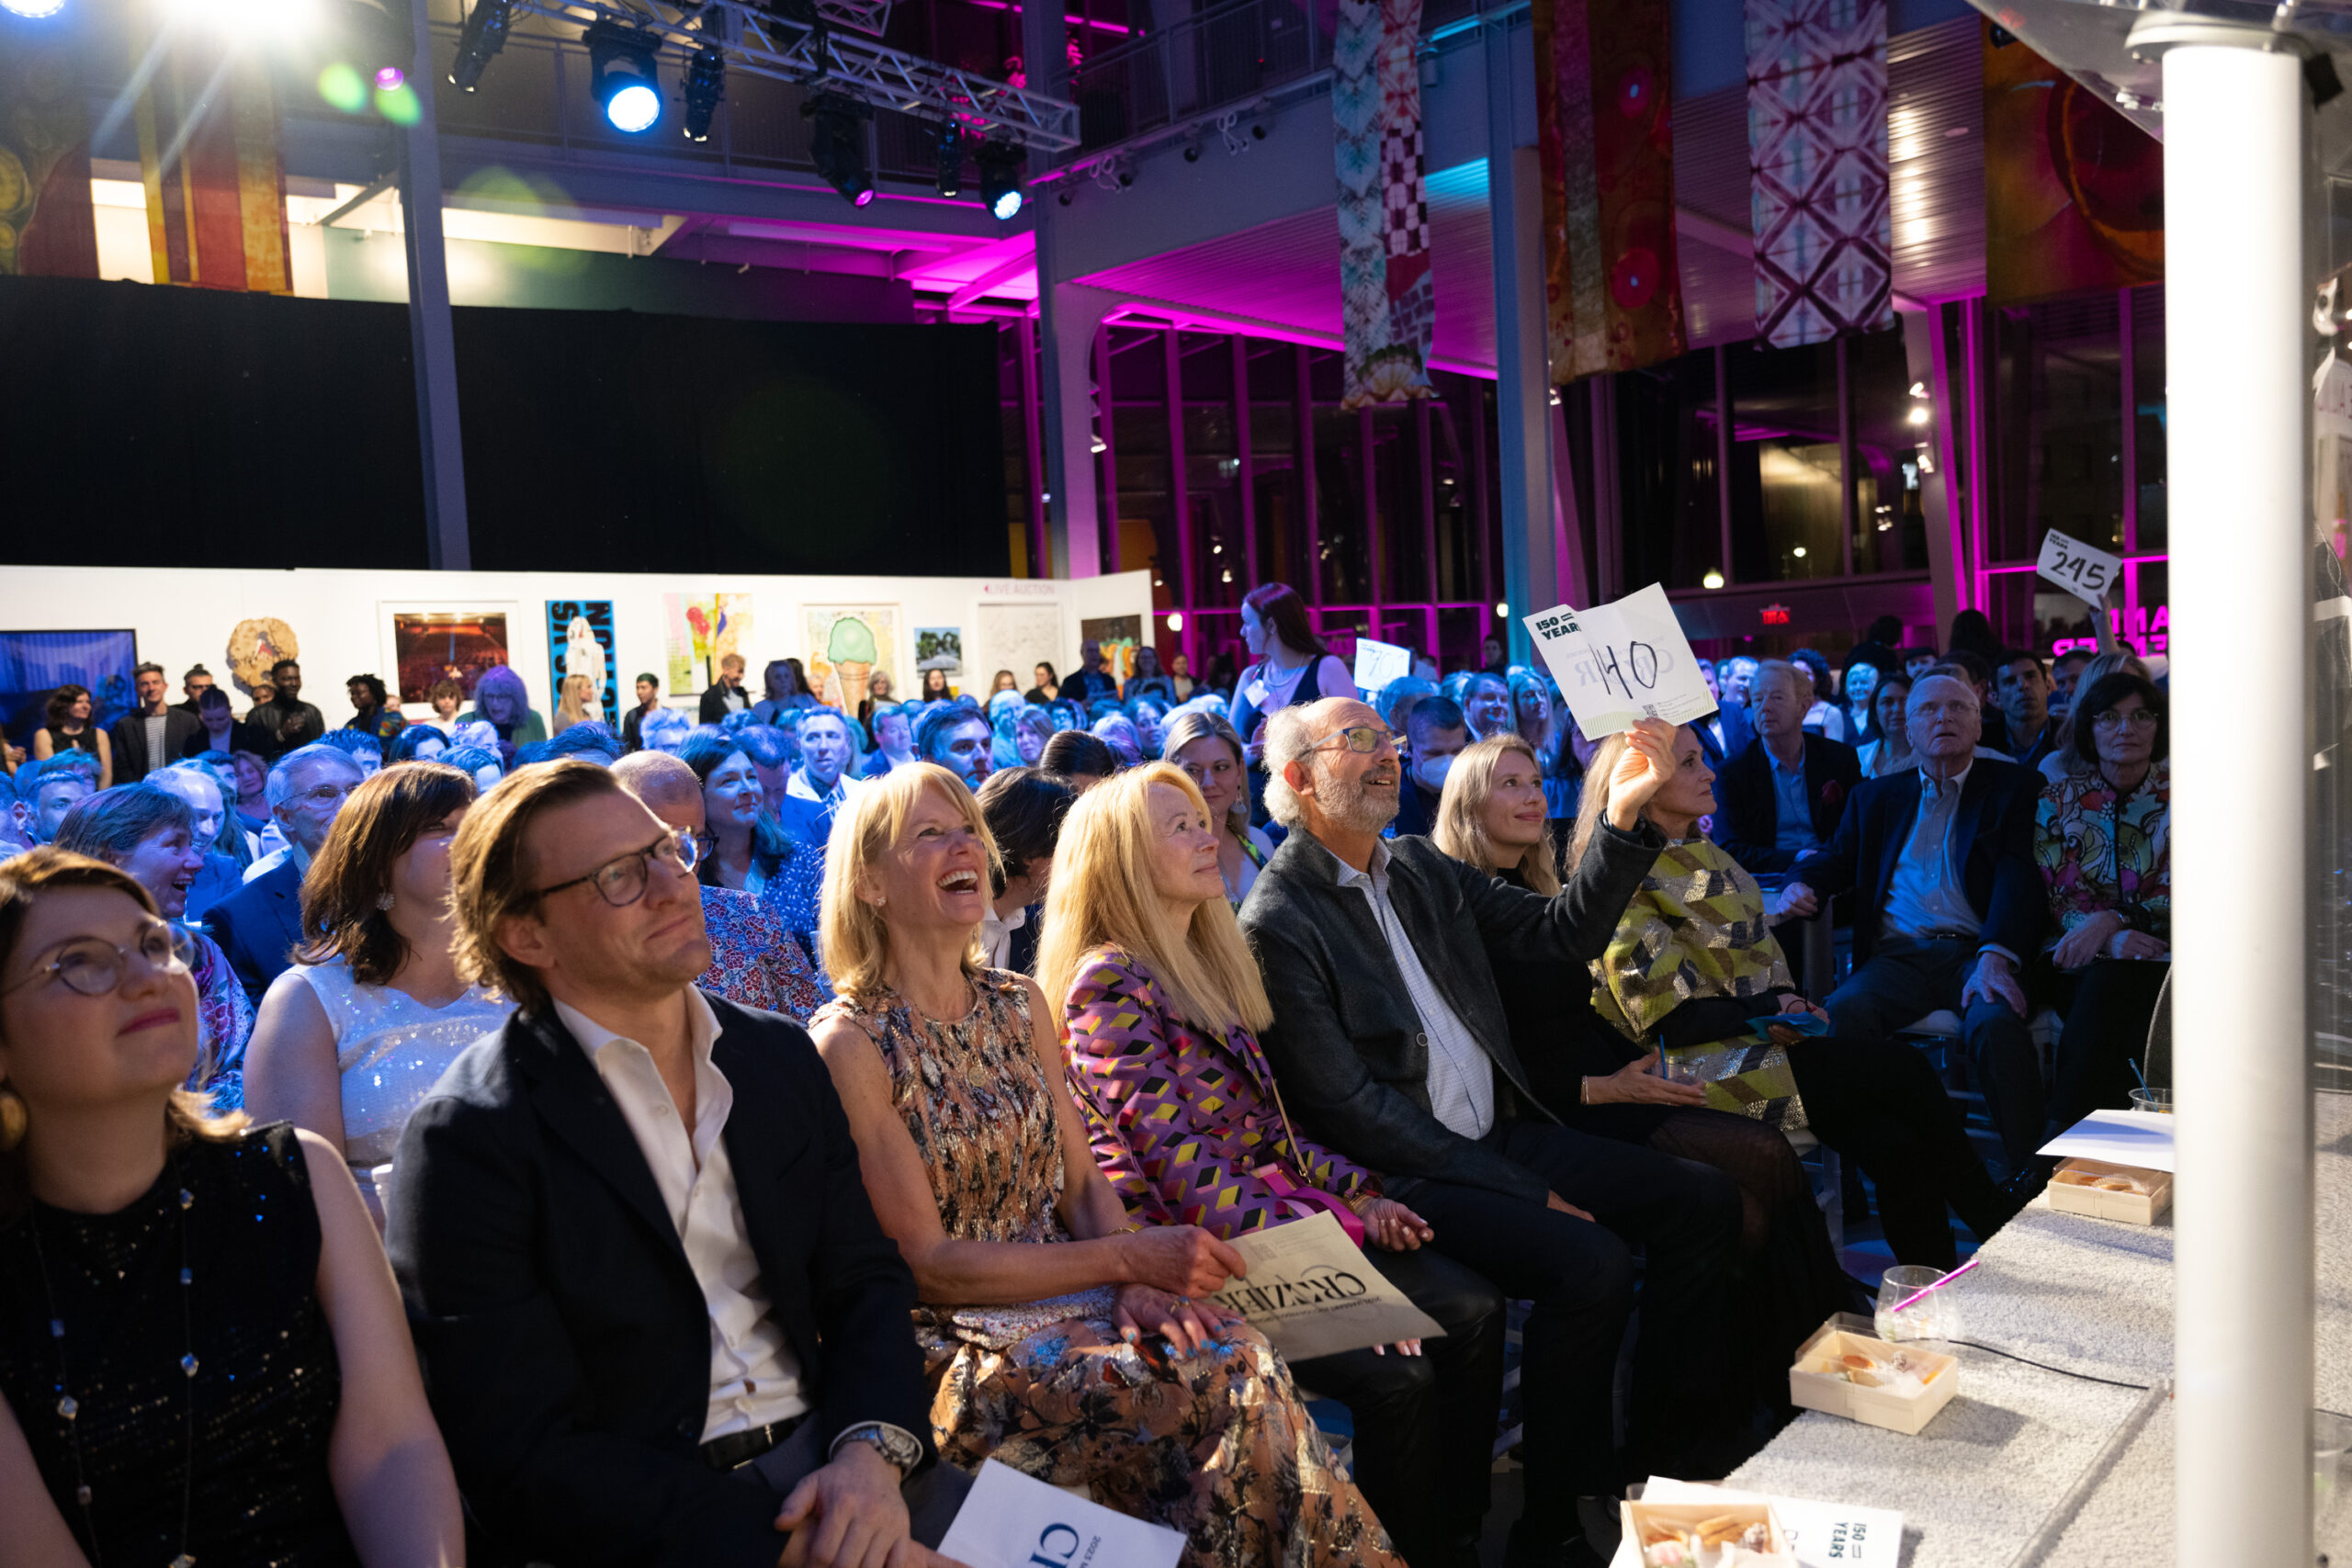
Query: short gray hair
pixel 1800 679
pixel 1288 736
pixel 281 772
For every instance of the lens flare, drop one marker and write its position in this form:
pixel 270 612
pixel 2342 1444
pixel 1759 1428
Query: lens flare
pixel 400 106
pixel 341 86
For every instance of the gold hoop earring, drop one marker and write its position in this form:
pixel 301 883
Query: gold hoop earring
pixel 13 1119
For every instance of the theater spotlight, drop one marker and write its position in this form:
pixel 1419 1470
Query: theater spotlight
pixel 1001 178
pixel 951 158
pixel 483 35
pixel 622 76
pixel 32 10
pixel 837 145
pixel 705 85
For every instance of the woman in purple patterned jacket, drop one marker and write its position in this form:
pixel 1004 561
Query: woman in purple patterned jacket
pixel 1162 1000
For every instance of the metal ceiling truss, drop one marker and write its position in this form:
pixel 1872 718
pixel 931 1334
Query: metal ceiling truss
pixel 822 57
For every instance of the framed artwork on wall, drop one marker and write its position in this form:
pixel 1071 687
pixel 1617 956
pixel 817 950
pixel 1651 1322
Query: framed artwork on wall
pixel 430 643
pixel 580 642
pixel 34 664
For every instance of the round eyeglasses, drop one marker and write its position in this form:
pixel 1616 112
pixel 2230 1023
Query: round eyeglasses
pixel 2138 718
pixel 94 968
pixel 621 881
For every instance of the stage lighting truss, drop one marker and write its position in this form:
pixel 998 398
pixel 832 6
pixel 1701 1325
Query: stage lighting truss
pixel 815 54
pixel 483 35
pixel 1001 163
pixel 705 85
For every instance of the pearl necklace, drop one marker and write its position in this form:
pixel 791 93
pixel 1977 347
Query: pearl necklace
pixel 68 1407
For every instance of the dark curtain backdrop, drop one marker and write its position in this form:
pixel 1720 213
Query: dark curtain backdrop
pixel 154 426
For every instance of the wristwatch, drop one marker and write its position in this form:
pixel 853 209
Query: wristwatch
pixel 900 1447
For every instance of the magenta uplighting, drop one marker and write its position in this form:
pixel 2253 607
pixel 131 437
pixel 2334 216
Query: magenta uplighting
pixel 389 78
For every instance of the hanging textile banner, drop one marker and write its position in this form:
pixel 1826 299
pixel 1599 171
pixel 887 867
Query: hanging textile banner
pixel 215 180
pixel 48 228
pixel 1612 286
pixel 1387 299
pixel 2074 192
pixel 1816 161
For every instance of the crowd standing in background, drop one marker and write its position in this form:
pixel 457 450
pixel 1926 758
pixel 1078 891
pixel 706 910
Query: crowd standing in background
pixel 898 1080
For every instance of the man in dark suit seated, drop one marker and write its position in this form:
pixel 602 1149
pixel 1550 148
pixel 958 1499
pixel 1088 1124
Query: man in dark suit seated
pixel 258 925
pixel 1780 797
pixel 1390 1044
pixel 1949 905
pixel 659 1321
pixel 1725 733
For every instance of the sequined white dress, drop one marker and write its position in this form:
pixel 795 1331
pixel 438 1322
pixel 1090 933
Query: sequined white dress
pixel 392 1049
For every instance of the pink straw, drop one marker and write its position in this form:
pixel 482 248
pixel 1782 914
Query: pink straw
pixel 1937 1286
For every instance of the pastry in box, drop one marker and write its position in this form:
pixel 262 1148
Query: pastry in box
pixel 1847 1369
pixel 2122 1193
pixel 1706 1535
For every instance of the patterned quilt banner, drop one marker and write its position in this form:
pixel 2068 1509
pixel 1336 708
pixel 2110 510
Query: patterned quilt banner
pixel 216 181
pixel 48 228
pixel 1612 286
pixel 1388 302
pixel 1816 158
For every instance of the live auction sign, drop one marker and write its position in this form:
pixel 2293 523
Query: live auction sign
pixel 1620 663
pixel 1311 1291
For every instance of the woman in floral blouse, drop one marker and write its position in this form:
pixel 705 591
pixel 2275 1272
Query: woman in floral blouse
pixel 2103 840
pixel 1161 999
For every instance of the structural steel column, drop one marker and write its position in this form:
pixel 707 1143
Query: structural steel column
pixel 1522 369
pixel 2236 299
pixel 433 348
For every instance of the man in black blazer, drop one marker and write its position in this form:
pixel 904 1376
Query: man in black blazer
pixel 659 1321
pixel 258 925
pixel 1949 905
pixel 1780 797
pixel 154 720
pixel 1390 1045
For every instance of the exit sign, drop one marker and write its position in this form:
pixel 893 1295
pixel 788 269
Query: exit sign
pixel 1775 615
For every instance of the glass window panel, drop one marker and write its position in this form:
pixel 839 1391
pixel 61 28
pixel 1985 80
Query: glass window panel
pixel 1340 503
pixel 1786 475
pixel 1890 524
pixel 1397 479
pixel 2148 413
pixel 2057 422
pixel 1669 503
pixel 1458 546
pixel 1140 443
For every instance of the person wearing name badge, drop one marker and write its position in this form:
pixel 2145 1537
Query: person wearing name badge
pixel 1058 1337
pixel 1160 1001
pixel 1293 665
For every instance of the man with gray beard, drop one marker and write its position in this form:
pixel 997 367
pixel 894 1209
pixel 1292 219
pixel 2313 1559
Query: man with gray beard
pixel 1389 1042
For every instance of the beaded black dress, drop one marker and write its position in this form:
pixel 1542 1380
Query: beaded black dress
pixel 225 1465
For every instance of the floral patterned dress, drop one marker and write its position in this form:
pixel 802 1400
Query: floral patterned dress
pixel 754 962
pixel 1216 1445
pixel 2099 849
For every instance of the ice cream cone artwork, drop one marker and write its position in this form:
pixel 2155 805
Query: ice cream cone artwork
pixel 849 647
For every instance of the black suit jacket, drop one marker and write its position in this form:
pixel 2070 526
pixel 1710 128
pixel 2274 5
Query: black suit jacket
pixel 1747 812
pixel 1993 847
pixel 565 1342
pixel 714 708
pixel 258 925
pixel 1346 1042
pixel 131 761
pixel 1737 732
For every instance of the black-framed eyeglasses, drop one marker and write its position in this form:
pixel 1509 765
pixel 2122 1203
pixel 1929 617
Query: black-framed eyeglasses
pixel 1363 739
pixel 620 881
pixel 94 966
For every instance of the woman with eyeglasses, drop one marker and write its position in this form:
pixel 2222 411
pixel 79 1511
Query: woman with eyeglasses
pixel 744 847
pixel 1058 1337
pixel 150 834
pixel 202 1354
pixel 352 1037
pixel 2103 839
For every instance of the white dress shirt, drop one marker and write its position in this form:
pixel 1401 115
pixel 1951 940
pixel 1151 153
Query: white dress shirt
pixel 1461 1080
pixel 996 934
pixel 754 1376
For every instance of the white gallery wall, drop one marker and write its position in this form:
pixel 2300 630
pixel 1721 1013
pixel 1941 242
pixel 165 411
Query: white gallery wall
pixel 343 620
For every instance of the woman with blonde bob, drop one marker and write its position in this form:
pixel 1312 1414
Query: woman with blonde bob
pixel 1123 1377
pixel 1162 1001
pixel 166 1273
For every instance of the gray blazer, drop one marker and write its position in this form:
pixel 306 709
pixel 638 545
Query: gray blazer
pixel 1346 1044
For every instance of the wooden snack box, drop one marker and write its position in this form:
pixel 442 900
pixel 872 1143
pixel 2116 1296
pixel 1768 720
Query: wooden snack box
pixel 1814 1384
pixel 2104 1203
pixel 1642 1518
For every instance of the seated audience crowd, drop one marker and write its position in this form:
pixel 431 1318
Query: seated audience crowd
pixel 706 1139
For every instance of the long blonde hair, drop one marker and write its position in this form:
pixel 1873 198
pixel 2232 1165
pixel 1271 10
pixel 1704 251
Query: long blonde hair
pixel 572 700
pixel 853 935
pixel 1101 895
pixel 1461 828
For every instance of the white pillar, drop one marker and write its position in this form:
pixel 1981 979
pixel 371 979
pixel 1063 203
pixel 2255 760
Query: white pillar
pixel 432 343
pixel 2236 298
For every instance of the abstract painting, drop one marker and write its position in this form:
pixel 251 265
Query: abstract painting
pixel 700 629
